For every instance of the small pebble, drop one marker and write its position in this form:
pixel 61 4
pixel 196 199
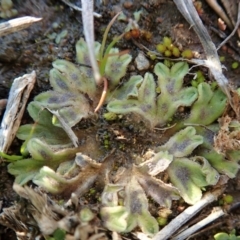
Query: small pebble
pixel 142 62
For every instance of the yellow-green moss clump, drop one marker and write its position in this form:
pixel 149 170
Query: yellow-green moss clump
pixel 168 49
pixel 6 10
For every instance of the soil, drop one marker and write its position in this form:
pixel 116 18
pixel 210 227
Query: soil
pixel 35 48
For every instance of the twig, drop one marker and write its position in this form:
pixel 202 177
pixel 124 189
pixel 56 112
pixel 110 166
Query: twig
pixel 66 127
pixel 103 96
pixel 213 63
pixel 217 8
pixel 178 221
pixel 18 97
pixel 17 24
pixel 215 214
pixel 88 27
pixel 234 30
pixel 80 9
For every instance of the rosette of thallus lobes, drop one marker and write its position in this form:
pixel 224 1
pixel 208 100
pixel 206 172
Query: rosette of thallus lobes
pixel 188 155
pixel 74 96
pixel 75 92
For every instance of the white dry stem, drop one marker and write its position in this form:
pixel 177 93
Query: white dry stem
pixel 88 28
pixel 213 63
pixel 186 215
pixel 66 127
pixel 17 24
pixel 215 214
pixel 17 100
pixel 80 9
pixel 234 30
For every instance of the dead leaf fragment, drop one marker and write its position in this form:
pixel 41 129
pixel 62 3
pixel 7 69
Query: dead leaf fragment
pixel 226 139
